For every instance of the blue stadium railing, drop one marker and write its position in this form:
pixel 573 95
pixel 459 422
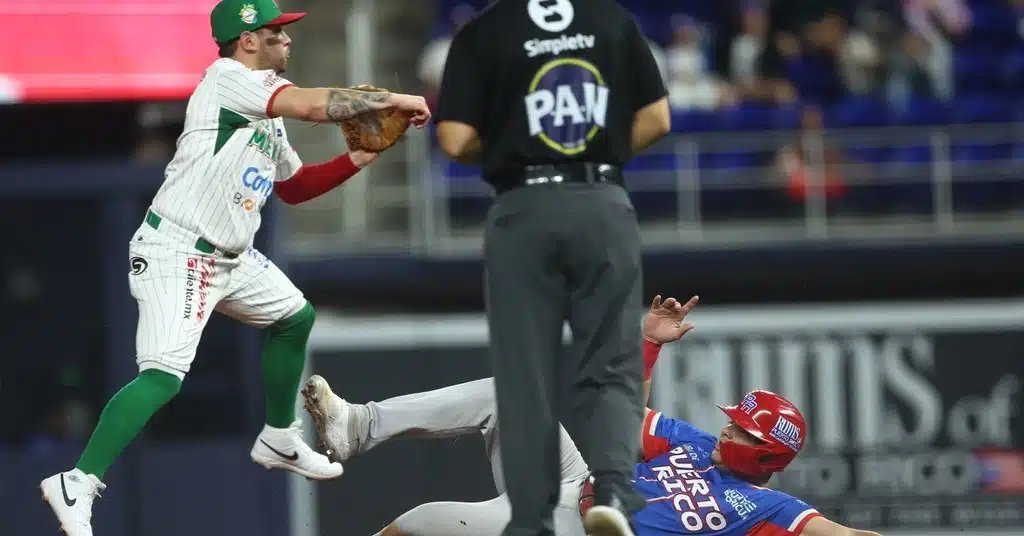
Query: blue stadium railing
pixel 910 180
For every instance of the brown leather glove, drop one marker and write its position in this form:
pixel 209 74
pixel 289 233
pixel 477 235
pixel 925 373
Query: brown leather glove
pixel 374 131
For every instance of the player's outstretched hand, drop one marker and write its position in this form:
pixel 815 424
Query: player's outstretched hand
pixel 664 322
pixel 416 106
pixel 362 158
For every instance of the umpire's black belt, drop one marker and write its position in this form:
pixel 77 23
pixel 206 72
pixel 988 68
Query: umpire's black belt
pixel 572 172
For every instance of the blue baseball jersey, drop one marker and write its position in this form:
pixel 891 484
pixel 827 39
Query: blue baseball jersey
pixel 686 494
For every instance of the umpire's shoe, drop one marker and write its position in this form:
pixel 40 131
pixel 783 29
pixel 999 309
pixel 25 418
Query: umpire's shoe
pixel 70 495
pixel 612 509
pixel 284 448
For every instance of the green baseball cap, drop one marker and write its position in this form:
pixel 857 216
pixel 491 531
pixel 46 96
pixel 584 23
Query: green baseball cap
pixel 231 18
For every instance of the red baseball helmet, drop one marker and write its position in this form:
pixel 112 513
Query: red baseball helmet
pixel 773 420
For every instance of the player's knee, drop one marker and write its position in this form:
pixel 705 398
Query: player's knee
pixel 162 386
pixel 298 324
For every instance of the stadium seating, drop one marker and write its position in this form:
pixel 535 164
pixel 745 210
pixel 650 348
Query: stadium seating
pixel 988 69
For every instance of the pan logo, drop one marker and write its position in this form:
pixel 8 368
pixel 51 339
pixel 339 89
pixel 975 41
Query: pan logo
pixel 551 15
pixel 567 105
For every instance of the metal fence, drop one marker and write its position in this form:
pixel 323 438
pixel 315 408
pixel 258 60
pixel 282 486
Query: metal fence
pixel 727 188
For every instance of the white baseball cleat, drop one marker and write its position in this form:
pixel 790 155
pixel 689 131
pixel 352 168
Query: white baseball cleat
pixel 284 448
pixel 71 495
pixel 334 419
pixel 606 521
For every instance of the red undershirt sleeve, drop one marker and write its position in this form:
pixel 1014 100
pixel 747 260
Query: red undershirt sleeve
pixel 312 181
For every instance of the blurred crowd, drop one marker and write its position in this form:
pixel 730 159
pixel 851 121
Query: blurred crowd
pixel 717 54
pixel 809 65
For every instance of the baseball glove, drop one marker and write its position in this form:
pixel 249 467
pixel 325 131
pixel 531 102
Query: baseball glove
pixel 376 130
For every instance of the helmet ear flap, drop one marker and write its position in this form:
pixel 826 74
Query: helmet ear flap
pixel 774 460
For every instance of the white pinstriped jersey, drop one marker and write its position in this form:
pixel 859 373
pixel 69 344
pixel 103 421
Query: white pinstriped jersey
pixel 228 156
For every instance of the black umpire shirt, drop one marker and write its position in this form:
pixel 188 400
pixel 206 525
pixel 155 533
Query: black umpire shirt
pixel 549 81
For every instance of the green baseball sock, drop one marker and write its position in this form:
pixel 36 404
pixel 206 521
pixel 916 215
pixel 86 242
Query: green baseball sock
pixel 284 357
pixel 124 417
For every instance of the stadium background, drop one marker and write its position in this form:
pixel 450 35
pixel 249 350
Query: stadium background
pixel 844 189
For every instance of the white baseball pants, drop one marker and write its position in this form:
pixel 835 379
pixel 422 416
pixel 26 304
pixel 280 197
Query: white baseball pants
pixel 178 287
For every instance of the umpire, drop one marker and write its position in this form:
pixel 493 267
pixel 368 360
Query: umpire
pixel 552 98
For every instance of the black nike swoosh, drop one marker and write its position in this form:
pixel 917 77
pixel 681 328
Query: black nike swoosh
pixel 64 490
pixel 294 455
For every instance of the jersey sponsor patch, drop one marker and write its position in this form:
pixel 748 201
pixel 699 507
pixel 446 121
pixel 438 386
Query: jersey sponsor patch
pixel 567 105
pixel 198 275
pixel 260 258
pixel 739 502
pixel 551 15
pixel 558 45
pixel 787 433
pixel 255 189
pixel 138 264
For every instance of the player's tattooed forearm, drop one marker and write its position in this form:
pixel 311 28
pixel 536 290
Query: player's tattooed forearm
pixel 347 103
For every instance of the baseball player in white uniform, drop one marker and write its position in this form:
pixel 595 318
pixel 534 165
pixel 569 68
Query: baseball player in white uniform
pixel 193 255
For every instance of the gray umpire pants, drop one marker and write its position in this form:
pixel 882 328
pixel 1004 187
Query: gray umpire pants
pixel 555 253
pixel 466 408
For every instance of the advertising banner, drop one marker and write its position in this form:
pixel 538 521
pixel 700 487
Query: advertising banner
pixel 915 414
pixel 87 50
